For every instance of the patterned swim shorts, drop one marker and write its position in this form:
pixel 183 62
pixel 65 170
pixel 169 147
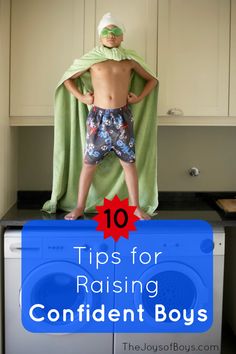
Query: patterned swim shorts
pixel 109 130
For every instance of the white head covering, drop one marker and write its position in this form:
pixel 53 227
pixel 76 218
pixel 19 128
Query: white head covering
pixel 107 20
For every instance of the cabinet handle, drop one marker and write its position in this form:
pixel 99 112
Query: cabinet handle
pixel 175 112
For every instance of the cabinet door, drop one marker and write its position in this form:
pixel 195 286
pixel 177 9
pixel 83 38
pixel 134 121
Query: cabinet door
pixel 46 36
pixel 232 100
pixel 139 18
pixel 193 57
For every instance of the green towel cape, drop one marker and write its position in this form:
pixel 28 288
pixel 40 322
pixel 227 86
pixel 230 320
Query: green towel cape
pixel 69 140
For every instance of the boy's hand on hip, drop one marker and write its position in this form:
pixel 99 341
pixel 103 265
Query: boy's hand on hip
pixel 88 98
pixel 132 98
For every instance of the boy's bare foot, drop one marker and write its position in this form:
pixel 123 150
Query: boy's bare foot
pixel 74 214
pixel 141 214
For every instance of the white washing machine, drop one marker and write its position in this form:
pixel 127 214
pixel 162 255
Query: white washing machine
pixel 20 341
pixel 209 341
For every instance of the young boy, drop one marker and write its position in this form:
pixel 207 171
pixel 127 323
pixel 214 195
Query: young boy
pixel 110 122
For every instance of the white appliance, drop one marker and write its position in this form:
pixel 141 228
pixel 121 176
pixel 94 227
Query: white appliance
pixel 194 343
pixel 20 341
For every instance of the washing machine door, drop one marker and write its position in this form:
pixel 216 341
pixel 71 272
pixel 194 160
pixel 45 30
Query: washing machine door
pixel 53 287
pixel 54 257
pixel 169 285
pixel 179 287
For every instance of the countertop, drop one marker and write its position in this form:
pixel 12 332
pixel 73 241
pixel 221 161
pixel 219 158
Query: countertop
pixel 175 205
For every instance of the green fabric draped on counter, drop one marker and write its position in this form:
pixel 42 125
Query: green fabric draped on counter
pixel 70 133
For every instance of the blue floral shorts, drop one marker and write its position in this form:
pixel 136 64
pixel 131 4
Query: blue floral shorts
pixel 109 130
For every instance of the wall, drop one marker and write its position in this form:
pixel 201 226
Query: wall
pixel 8 136
pixel 35 158
pixel 211 149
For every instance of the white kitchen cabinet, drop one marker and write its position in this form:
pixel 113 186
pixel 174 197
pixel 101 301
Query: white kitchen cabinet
pixel 193 57
pixel 187 42
pixel 46 36
pixel 232 97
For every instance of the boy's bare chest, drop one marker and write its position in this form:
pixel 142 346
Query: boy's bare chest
pixel 112 67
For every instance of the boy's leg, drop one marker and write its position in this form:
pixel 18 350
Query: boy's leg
pixel 85 180
pixel 131 179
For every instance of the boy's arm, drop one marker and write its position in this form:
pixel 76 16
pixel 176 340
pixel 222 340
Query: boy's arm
pixel 72 88
pixel 150 84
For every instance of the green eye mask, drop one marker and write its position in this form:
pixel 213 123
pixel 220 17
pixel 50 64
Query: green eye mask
pixel 116 31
